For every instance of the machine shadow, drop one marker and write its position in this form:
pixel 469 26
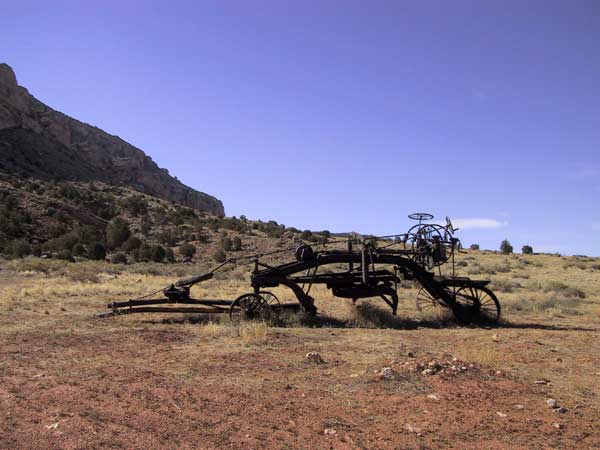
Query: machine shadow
pixel 368 317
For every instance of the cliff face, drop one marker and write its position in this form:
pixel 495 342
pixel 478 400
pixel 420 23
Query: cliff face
pixel 36 140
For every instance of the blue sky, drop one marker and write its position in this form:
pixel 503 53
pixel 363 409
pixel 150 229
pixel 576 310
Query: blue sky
pixel 343 115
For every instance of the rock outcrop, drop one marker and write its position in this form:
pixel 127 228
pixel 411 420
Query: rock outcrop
pixel 36 140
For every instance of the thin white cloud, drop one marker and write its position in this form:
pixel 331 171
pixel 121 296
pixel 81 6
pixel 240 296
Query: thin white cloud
pixel 478 222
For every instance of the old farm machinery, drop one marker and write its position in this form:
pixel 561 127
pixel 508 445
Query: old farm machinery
pixel 364 268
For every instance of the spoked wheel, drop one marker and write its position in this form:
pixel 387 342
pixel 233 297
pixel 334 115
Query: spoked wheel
pixel 476 305
pixel 252 307
pixel 426 303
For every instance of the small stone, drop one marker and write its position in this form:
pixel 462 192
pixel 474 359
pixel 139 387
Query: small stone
pixel 314 357
pixel 428 372
pixel 558 426
pixel 329 431
pixel 519 406
pixel 408 427
pixel 541 382
pixel 410 354
pixel 388 373
pixel 498 373
pixel 560 410
pixel 432 397
pixel 552 403
pixel 501 414
pixel 495 337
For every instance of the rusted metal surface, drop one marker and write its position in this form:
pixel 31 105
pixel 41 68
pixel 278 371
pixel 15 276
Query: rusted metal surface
pixel 371 270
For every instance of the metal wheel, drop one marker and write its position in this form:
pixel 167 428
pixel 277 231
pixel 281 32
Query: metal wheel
pixel 426 304
pixel 271 300
pixel 476 305
pixel 250 307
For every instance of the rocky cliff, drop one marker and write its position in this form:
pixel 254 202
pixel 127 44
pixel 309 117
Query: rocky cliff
pixel 36 140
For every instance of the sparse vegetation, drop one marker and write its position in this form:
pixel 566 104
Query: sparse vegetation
pixel 527 249
pixel 506 247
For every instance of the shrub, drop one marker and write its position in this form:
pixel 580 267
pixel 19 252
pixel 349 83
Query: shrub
pixel 144 253
pixel 527 249
pixel 118 258
pixel 65 255
pixel 132 244
pixel 170 255
pixel 506 247
pixel 474 247
pixel 96 251
pixel 226 244
pixel 158 253
pixel 187 250
pixel 78 249
pixel 237 243
pixel 306 235
pixel 219 256
pixel 117 232
pixel 19 248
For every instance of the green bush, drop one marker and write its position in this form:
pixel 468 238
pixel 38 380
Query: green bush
pixel 144 253
pixel 158 253
pixel 474 247
pixel 96 251
pixel 505 247
pixel 219 256
pixel 78 249
pixel 187 250
pixel 118 258
pixel 19 248
pixel 170 255
pixel 117 232
pixel 226 244
pixel 132 244
pixel 65 255
pixel 527 249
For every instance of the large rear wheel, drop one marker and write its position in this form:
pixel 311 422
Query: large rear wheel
pixel 475 304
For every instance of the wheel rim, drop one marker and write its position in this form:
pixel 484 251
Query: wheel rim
pixel 425 302
pixel 251 307
pixel 477 304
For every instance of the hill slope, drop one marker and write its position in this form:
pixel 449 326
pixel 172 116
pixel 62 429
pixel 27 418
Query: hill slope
pixel 37 141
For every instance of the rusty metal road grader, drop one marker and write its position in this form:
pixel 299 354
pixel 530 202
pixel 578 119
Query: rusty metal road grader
pixel 366 267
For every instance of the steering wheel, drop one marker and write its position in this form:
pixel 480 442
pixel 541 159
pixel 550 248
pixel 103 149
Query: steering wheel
pixel 420 216
pixel 449 225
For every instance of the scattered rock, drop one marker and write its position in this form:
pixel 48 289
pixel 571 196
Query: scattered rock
pixel 410 354
pixel 428 372
pixel 501 414
pixel 433 397
pixel 314 357
pixel 52 426
pixel 552 403
pixel 519 407
pixel 560 410
pixel 387 373
pixel 558 426
pixel 495 337
pixel 330 431
pixel 541 382
pixel 408 427
pixel 498 373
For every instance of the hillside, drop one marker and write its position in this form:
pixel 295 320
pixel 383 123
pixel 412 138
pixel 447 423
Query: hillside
pixel 67 219
pixel 37 141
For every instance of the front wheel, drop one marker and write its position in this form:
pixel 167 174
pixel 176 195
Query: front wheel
pixel 477 305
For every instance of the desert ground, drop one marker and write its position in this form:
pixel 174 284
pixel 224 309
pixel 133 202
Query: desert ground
pixel 69 380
